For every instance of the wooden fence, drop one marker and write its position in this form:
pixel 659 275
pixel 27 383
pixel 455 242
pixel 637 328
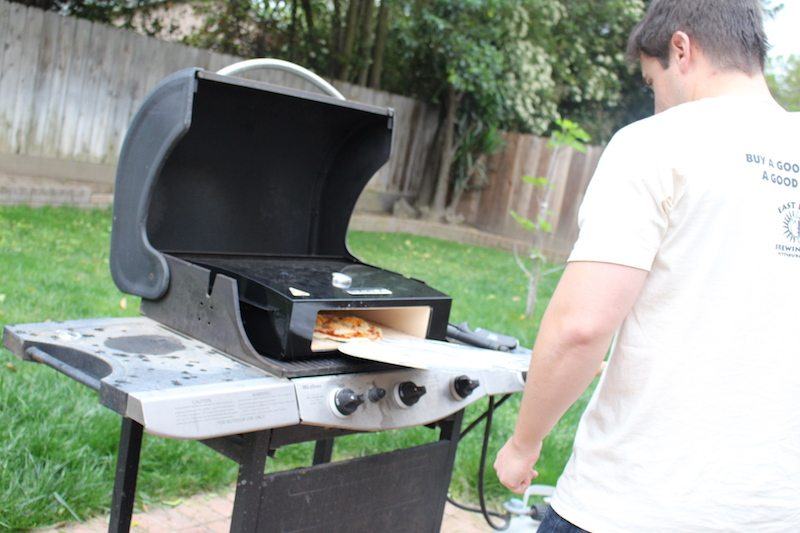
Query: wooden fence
pixel 69 88
pixel 568 173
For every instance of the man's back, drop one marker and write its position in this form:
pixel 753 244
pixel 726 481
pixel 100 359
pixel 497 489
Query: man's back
pixel 696 422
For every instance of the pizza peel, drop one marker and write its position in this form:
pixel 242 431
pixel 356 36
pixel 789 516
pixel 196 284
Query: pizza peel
pixel 426 354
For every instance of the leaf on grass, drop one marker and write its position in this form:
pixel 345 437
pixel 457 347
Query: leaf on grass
pixel 2 298
pixel 66 506
pixel 11 367
pixel 173 503
pixel 123 303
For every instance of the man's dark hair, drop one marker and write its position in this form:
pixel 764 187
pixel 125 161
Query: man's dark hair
pixel 730 32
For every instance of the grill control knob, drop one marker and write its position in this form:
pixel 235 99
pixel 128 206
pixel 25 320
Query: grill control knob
pixel 463 386
pixel 376 394
pixel 408 393
pixel 346 401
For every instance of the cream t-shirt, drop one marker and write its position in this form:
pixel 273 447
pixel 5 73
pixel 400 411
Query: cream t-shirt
pixel 695 424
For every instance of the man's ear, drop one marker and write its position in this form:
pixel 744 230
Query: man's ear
pixel 680 50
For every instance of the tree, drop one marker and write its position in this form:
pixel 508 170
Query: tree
pixel 381 33
pixel 339 39
pixel 247 28
pixel 473 59
pixel 569 135
pixel 117 12
pixel 509 64
pixel 596 86
pixel 783 78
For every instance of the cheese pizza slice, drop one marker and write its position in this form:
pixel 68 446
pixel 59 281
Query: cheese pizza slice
pixel 343 328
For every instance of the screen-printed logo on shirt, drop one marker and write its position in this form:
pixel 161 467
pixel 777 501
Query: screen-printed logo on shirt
pixel 790 226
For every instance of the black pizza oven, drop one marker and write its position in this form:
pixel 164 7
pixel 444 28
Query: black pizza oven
pixel 231 209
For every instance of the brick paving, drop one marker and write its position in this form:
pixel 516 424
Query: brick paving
pixel 211 513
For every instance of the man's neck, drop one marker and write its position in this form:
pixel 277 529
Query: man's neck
pixel 732 84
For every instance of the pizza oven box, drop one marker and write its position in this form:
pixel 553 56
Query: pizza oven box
pixel 231 209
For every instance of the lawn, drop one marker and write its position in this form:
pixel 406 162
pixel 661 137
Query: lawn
pixel 58 445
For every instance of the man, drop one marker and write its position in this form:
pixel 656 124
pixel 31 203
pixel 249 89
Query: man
pixel 689 251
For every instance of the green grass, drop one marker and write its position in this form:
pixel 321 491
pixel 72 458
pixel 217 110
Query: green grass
pixel 57 444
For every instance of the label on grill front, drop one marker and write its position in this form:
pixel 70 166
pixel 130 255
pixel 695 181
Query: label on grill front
pixel 210 410
pixel 372 291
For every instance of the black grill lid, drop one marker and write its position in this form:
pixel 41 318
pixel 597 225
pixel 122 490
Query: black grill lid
pixel 219 165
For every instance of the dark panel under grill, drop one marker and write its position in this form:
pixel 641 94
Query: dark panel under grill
pixel 392 492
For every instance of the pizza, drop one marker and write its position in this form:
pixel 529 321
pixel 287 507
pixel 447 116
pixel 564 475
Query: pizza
pixel 342 328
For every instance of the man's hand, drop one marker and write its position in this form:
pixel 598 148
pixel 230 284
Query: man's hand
pixel 514 466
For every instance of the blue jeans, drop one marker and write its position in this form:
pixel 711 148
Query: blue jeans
pixel 553 523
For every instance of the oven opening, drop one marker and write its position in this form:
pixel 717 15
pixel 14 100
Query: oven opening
pixel 393 323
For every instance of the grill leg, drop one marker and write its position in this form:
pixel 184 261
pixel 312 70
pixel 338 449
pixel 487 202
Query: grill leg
pixel 247 501
pixel 130 445
pixel 323 451
pixel 450 431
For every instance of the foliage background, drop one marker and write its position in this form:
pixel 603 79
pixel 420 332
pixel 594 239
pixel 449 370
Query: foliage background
pixel 783 78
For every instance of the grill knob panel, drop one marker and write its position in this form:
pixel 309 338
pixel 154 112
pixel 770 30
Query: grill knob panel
pixel 376 394
pixel 346 401
pixel 408 393
pixel 463 386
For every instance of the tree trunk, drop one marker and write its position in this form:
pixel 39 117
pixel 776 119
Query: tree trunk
pixel 351 29
pixel 458 191
pixel 232 40
pixel 335 47
pixel 448 132
pixel 533 287
pixel 309 15
pixel 365 41
pixel 310 34
pixel 539 236
pixel 428 187
pixel 293 33
pixel 381 34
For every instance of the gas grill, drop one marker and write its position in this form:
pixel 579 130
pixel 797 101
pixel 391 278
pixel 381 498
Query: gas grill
pixel 232 203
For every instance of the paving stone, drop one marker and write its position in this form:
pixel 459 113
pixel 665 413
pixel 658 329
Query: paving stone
pixel 211 513
pixel 219 526
pixel 221 505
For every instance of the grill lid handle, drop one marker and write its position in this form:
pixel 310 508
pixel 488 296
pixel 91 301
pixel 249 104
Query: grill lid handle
pixel 286 66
